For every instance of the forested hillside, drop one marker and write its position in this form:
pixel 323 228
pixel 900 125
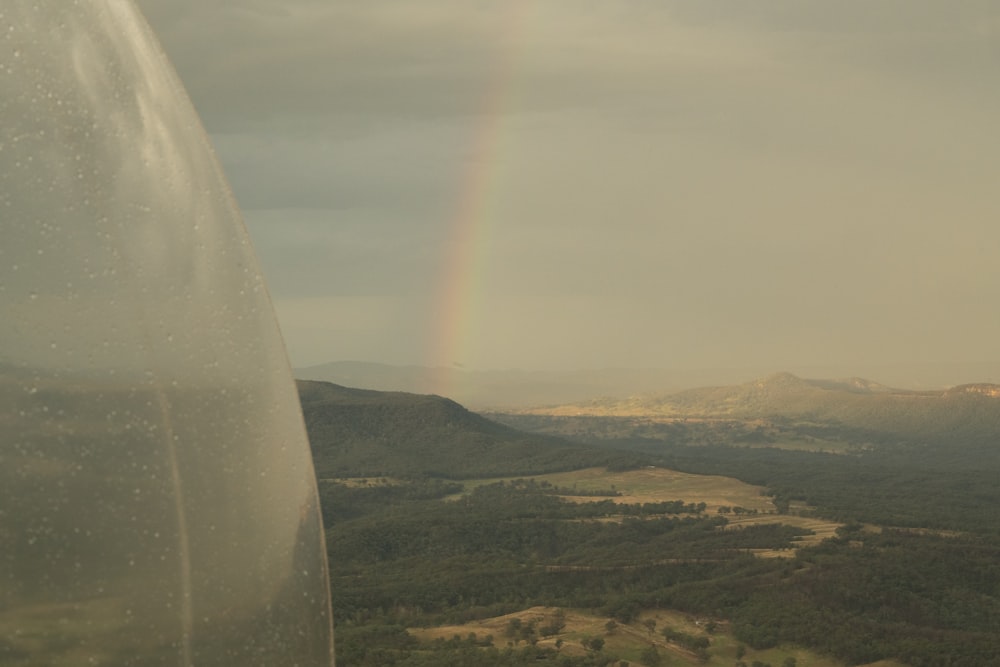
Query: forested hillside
pixel 358 432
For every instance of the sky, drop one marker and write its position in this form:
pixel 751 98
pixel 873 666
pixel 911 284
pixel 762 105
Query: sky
pixel 575 184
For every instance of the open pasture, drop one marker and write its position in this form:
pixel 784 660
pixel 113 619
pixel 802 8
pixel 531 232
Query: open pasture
pixel 629 640
pixel 653 484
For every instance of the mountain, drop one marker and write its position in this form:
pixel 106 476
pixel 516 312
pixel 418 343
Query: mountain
pixel 509 389
pixel 783 408
pixel 358 432
pixel 516 389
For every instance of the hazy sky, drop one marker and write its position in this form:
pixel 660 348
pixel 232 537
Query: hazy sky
pixel 583 184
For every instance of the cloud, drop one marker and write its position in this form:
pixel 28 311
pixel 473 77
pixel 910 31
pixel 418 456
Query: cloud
pixel 312 253
pixel 276 62
pixel 779 180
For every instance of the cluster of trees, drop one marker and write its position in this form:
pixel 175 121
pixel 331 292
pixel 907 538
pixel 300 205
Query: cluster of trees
pixel 445 655
pixel 737 510
pixel 697 644
pixel 545 486
pixel 787 662
pixel 340 502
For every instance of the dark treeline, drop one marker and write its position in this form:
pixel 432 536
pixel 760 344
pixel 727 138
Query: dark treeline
pixel 357 653
pixel 341 503
pixel 547 487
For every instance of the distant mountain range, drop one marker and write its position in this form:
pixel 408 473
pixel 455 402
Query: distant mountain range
pixel 358 432
pixel 970 413
pixel 505 389
pixel 502 390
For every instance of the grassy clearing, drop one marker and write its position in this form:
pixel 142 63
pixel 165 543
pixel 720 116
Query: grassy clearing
pixel 812 445
pixel 629 640
pixel 822 529
pixel 650 485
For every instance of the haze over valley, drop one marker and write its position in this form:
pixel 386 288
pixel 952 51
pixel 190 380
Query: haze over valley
pixel 508 389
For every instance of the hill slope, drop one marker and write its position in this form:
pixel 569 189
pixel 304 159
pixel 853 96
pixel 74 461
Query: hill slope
pixel 358 432
pixel 970 413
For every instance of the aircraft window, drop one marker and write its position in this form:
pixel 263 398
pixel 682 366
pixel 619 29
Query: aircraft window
pixel 157 497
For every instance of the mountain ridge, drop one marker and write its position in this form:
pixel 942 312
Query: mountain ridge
pixel 500 390
pixel 967 415
pixel 360 432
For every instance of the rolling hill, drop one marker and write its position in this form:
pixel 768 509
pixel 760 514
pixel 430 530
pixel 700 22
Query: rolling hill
pixel 358 432
pixel 867 411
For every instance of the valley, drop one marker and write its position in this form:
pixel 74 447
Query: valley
pixel 879 554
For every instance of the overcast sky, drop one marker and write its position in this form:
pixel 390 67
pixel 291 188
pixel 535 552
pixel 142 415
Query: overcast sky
pixel 630 183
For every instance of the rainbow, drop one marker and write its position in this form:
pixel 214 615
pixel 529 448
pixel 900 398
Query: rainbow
pixel 458 302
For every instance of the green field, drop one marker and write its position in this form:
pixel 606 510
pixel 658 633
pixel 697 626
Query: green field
pixel 653 484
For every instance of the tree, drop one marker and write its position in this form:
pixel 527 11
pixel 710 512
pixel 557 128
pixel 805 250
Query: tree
pixel 611 626
pixel 555 624
pixel 515 630
pixel 789 662
pixel 650 624
pixel 651 657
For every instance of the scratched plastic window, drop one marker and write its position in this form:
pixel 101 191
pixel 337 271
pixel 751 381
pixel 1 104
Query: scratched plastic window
pixel 157 498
